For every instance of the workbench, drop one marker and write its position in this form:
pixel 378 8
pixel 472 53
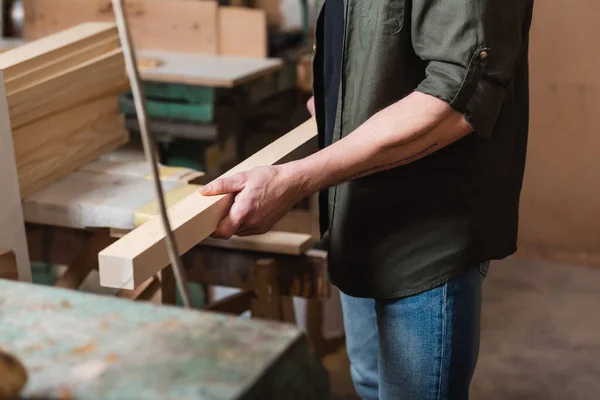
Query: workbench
pixel 206 102
pixel 70 221
pixel 77 345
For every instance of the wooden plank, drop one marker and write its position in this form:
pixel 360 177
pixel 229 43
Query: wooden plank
pixel 271 242
pixel 59 64
pixel 102 76
pixel 62 125
pixel 40 52
pixel 12 225
pixel 84 199
pixel 207 70
pixel 142 253
pixel 243 32
pixel 174 25
pixel 63 102
pixel 235 304
pixel 50 163
pixel 297 276
pixel 172 197
pixel 153 284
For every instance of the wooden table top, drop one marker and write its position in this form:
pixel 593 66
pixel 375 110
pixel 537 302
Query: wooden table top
pixel 77 345
pixel 203 69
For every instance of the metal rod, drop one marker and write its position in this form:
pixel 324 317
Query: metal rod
pixel 147 140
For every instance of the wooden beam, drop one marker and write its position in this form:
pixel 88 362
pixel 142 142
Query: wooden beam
pixel 47 50
pixel 59 64
pixel 297 276
pixel 235 304
pixel 12 224
pixel 151 285
pixel 63 102
pixel 271 242
pixel 142 253
pixel 100 76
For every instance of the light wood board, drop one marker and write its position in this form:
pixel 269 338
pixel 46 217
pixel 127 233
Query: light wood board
pixel 65 152
pixel 59 64
pixel 46 50
pixel 102 193
pixel 63 103
pixel 175 25
pixel 208 70
pixel 243 32
pixel 86 199
pixel 12 225
pixel 271 242
pixel 142 253
pixel 94 78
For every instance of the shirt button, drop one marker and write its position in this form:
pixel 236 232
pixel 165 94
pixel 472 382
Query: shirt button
pixel 483 55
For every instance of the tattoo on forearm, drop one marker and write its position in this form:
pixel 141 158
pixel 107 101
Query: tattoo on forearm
pixel 397 163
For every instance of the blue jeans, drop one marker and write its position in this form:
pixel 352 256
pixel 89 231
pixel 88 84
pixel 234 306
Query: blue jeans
pixel 419 347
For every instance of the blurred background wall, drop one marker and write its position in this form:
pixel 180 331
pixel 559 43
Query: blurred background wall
pixel 560 207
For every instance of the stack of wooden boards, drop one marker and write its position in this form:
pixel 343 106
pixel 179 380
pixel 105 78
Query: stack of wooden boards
pixel 187 26
pixel 62 95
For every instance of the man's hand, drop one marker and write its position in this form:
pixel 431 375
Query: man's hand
pixel 310 104
pixel 263 196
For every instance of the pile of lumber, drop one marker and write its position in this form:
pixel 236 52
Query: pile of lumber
pixel 186 26
pixel 62 98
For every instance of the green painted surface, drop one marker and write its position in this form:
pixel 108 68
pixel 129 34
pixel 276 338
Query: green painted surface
pixel 180 92
pixel 169 109
pixel 92 347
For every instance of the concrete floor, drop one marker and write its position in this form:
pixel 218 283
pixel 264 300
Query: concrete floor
pixel 540 335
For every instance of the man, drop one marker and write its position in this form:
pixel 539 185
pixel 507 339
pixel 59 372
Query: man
pixel 422 109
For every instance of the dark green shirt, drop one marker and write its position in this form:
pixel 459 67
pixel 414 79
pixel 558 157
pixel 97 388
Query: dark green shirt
pixel 411 228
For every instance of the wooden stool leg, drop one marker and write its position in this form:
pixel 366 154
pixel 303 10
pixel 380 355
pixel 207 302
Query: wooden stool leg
pixel 168 287
pixel 287 307
pixel 85 261
pixel 146 291
pixel 267 304
pixel 8 265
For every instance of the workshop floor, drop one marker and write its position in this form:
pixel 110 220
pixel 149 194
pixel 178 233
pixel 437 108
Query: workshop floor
pixel 540 335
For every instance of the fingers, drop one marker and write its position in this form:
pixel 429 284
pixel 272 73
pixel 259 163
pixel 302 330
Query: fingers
pixel 232 222
pixel 232 184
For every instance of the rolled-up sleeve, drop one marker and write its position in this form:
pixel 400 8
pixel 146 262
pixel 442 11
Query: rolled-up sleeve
pixel 471 48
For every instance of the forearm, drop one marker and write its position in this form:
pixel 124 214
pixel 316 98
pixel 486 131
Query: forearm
pixel 401 133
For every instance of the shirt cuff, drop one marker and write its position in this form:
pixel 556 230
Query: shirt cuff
pixel 467 91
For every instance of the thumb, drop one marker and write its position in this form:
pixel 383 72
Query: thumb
pixel 310 105
pixel 232 184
